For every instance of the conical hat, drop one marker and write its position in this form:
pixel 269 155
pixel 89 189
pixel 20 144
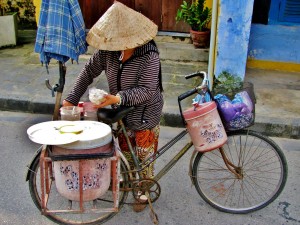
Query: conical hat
pixel 121 28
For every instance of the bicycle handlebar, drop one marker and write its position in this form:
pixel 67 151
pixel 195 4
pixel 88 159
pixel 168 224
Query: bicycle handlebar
pixel 201 74
pixel 204 85
pixel 187 94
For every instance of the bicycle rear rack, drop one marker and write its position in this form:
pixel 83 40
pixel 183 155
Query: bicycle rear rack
pixel 47 178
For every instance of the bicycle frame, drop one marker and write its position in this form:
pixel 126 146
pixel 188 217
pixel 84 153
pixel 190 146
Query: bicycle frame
pixel 146 162
pixel 141 165
pixel 203 89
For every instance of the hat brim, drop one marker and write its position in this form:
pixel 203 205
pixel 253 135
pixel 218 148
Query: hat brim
pixel 121 28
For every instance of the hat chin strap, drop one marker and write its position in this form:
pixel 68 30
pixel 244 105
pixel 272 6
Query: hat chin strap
pixel 122 55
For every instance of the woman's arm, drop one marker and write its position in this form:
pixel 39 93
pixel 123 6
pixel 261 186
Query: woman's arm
pixel 92 69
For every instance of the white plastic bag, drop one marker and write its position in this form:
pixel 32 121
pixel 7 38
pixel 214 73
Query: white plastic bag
pixel 96 96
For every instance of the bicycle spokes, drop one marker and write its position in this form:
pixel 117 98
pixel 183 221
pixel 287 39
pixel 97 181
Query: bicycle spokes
pixel 247 174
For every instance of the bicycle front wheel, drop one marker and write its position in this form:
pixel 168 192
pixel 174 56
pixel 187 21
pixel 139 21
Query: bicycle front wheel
pixel 57 202
pixel 260 163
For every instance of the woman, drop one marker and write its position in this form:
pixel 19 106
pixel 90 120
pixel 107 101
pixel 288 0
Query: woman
pixel 130 59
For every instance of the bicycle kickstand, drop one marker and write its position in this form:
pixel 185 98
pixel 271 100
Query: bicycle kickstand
pixel 153 215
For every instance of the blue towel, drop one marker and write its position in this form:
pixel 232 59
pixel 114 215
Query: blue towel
pixel 61 31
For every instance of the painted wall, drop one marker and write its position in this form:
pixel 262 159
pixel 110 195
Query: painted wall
pixel 37 4
pixel 233 31
pixel 208 3
pixel 274 47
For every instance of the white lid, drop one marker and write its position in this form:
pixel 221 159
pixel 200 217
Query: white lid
pixel 94 134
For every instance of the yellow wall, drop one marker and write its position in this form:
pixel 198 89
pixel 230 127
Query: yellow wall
pixel 270 65
pixel 37 4
pixel 208 3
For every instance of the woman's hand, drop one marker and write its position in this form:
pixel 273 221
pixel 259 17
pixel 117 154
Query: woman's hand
pixel 108 100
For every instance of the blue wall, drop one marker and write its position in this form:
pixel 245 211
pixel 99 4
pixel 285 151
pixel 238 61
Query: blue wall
pixel 234 22
pixel 275 43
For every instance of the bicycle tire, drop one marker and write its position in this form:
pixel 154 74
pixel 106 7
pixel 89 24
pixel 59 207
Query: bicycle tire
pixel 264 173
pixel 71 219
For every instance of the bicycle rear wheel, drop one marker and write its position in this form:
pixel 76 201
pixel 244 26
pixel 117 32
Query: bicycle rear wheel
pixel 260 162
pixel 57 202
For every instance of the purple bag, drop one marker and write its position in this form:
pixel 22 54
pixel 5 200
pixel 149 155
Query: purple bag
pixel 237 113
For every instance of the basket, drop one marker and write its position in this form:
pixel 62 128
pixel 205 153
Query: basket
pixel 237 106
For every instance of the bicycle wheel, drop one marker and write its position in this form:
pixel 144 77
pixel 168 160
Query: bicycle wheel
pixel 57 202
pixel 260 162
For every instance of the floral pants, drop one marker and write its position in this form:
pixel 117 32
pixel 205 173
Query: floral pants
pixel 144 143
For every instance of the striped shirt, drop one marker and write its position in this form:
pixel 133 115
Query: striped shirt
pixel 136 81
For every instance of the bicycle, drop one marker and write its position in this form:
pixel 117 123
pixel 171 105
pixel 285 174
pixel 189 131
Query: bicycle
pixel 244 175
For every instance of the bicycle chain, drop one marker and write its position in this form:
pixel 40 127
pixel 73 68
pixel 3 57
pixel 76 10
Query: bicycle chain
pixel 141 185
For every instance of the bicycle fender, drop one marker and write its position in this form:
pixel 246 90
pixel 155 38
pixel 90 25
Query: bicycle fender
pixel 29 166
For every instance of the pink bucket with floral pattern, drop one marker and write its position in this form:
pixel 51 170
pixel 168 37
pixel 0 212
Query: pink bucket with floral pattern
pixel 205 127
pixel 95 174
pixel 77 174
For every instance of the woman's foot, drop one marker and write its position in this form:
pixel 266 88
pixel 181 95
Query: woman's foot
pixel 140 204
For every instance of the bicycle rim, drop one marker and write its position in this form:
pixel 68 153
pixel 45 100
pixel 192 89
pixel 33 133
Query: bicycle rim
pixel 57 202
pixel 264 173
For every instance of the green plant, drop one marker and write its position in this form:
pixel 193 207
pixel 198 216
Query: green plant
pixel 3 7
pixel 8 7
pixel 194 14
pixel 227 83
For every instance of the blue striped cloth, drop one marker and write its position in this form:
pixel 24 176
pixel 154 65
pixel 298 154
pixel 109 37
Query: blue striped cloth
pixel 61 31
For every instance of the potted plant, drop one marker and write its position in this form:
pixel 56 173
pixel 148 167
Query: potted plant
pixel 198 17
pixel 3 7
pixel 8 24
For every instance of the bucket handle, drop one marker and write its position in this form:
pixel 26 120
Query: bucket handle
pixel 198 89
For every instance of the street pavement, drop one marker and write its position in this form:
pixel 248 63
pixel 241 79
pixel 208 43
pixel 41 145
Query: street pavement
pixel 178 204
pixel 22 88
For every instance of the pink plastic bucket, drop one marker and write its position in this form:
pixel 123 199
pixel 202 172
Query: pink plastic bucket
pixel 205 127
pixel 96 174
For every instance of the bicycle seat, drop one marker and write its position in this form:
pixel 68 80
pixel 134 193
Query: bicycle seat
pixel 113 115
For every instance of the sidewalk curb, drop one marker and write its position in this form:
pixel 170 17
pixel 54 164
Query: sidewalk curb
pixel 274 127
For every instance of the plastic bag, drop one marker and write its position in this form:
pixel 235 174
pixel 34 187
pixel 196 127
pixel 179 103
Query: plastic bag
pixel 237 113
pixel 96 96
pixel 201 98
